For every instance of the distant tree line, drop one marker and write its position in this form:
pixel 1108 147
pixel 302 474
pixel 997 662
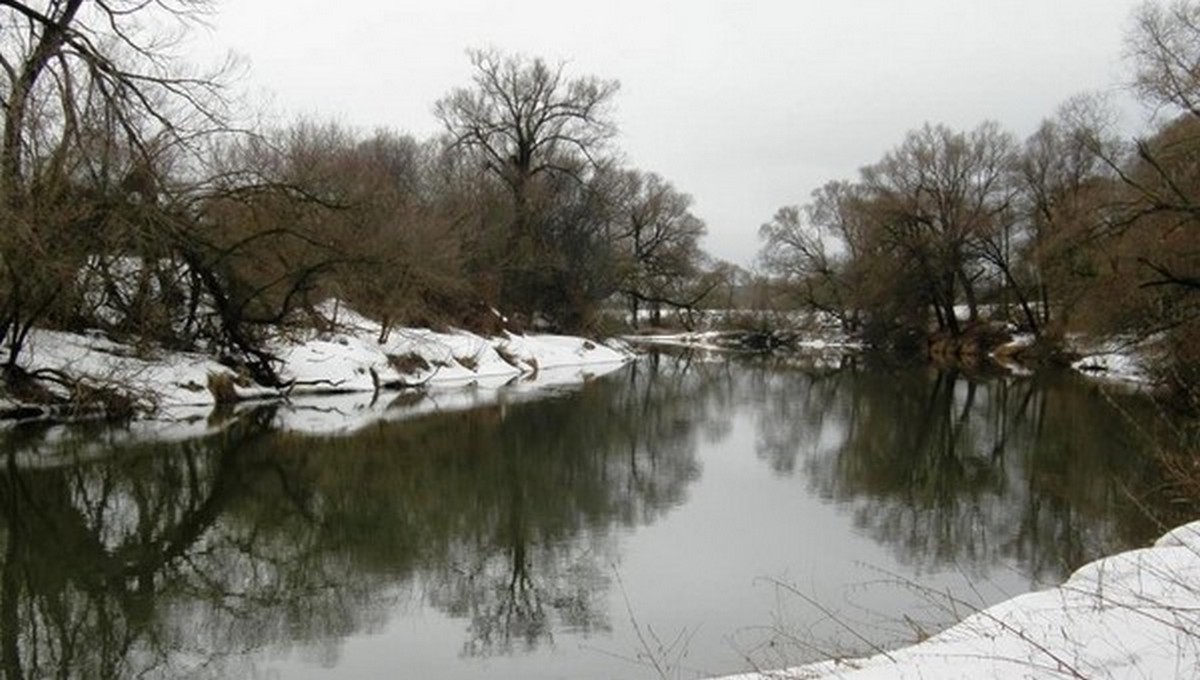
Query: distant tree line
pixel 135 202
pixel 1072 229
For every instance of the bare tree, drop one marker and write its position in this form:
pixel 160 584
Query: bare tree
pixel 1164 47
pixel 661 239
pixel 938 193
pixel 1065 188
pixel 526 120
pixel 94 105
pixel 524 116
pixel 1150 274
pixel 1164 52
pixel 818 248
pixel 1161 199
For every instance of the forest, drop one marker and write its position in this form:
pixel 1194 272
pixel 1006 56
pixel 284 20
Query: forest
pixel 172 234
pixel 954 236
pixel 143 203
pixel 140 204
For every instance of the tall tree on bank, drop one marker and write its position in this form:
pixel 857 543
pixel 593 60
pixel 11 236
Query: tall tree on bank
pixel 123 191
pixel 661 242
pixel 527 122
pixel 1065 191
pixel 820 250
pixel 942 193
pixel 1159 214
pixel 94 106
pixel 930 225
pixel 1164 48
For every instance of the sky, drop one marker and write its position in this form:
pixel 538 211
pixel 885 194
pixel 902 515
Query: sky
pixel 746 106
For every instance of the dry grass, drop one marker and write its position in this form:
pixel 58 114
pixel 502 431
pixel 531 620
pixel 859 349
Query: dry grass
pixel 222 387
pixel 408 364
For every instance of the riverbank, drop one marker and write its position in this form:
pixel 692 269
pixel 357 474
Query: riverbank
pixel 749 341
pixel 90 374
pixel 1135 614
pixel 1113 359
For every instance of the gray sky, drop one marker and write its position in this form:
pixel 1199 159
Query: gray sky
pixel 745 105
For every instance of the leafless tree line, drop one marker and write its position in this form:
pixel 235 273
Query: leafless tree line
pixel 133 201
pixel 1075 228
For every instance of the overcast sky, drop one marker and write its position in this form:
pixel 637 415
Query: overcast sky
pixel 747 106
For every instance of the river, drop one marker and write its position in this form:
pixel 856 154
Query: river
pixel 685 516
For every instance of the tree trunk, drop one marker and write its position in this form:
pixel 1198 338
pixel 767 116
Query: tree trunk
pixel 53 35
pixel 1030 317
pixel 969 292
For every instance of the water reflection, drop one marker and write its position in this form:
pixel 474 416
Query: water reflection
pixel 1044 472
pixel 165 559
pixel 169 558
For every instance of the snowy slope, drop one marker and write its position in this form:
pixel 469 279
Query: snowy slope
pixel 347 360
pixel 1133 615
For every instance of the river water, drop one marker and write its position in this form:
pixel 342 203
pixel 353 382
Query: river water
pixel 685 516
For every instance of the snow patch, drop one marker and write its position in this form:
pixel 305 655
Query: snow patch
pixel 348 360
pixel 1132 615
pixel 1119 359
pixel 717 341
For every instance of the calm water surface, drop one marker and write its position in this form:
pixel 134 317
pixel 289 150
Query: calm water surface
pixel 705 515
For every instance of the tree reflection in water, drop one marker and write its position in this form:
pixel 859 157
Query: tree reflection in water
pixel 165 559
pixel 963 471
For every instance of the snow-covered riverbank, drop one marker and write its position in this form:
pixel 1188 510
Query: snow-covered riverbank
pixel 1132 615
pixel 745 340
pixel 350 362
pixel 1112 359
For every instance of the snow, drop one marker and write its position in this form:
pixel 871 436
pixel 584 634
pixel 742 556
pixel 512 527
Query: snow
pixel 1114 366
pixel 348 360
pixel 726 340
pixel 1003 354
pixel 703 340
pixel 1132 615
pixel 453 356
pixel 335 414
pixel 156 379
pixel 1117 358
pixel 342 414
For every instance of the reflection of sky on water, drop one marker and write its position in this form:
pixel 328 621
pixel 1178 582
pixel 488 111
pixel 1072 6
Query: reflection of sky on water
pixel 523 539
